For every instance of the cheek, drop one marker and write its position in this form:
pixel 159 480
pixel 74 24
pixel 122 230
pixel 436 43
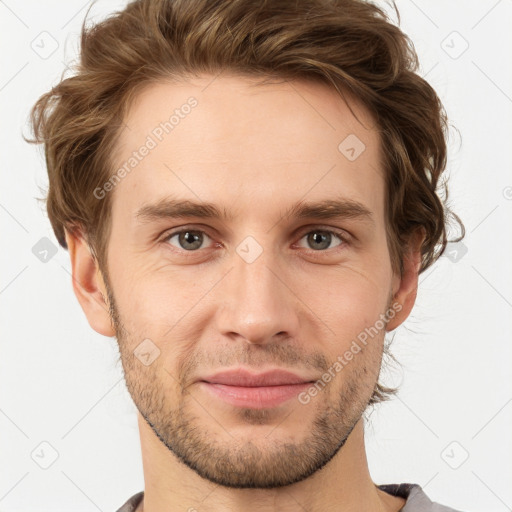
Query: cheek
pixel 162 304
pixel 159 302
pixel 349 299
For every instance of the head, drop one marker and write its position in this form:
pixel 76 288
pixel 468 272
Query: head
pixel 247 188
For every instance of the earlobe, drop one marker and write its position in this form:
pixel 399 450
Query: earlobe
pixel 405 294
pixel 88 284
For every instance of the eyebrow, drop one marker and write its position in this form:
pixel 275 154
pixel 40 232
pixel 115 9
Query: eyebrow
pixel 166 208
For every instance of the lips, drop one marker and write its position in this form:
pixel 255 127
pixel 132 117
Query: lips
pixel 244 378
pixel 242 388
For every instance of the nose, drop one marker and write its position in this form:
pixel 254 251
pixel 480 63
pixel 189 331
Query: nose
pixel 258 301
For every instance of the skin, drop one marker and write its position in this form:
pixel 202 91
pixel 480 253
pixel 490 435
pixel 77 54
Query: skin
pixel 254 150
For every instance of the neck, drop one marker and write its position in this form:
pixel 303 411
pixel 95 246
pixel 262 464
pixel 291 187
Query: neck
pixel 343 485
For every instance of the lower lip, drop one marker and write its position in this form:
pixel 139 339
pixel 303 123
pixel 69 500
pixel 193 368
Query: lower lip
pixel 261 397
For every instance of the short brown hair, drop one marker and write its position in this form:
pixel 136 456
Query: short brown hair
pixel 351 45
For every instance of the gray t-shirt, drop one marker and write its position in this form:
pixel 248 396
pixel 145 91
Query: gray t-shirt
pixel 417 500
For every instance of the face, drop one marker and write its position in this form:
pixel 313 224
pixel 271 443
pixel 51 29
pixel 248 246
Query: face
pixel 230 316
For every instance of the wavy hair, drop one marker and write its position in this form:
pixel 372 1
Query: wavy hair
pixel 350 45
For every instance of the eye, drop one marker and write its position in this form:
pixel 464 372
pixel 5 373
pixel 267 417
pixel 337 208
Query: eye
pixel 321 239
pixel 192 240
pixel 187 239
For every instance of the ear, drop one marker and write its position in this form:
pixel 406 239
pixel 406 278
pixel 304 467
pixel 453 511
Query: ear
pixel 88 284
pixel 405 287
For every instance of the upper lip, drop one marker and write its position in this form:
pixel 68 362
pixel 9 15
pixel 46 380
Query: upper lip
pixel 242 377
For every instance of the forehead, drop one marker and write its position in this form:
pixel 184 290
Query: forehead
pixel 228 140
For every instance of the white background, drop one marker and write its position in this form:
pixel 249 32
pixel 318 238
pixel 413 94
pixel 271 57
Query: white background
pixel 62 383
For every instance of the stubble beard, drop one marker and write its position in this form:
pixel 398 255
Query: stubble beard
pixel 232 460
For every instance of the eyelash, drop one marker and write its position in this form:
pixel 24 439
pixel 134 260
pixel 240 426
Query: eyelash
pixel 342 236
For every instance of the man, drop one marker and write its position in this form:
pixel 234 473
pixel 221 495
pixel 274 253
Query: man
pixel 248 195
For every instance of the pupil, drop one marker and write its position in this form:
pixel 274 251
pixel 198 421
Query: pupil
pixel 190 238
pixel 321 238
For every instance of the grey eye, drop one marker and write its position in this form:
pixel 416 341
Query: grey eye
pixel 320 240
pixel 189 240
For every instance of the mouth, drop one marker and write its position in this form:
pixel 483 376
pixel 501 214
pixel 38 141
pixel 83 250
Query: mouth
pixel 242 388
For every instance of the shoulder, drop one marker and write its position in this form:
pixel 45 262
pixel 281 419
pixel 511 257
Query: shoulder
pixel 416 498
pixel 132 503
